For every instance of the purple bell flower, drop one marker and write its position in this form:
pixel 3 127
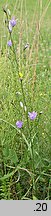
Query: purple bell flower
pixel 13 22
pixel 32 115
pixel 19 124
pixel 9 43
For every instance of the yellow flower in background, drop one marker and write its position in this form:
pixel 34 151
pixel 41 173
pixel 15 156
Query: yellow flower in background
pixel 21 75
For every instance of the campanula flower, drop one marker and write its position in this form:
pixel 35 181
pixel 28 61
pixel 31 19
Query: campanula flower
pixel 9 43
pixel 13 22
pixel 19 124
pixel 32 115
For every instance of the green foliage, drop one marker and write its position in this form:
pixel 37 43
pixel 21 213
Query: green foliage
pixel 25 153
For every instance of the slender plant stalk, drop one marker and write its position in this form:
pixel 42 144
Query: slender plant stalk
pixel 24 101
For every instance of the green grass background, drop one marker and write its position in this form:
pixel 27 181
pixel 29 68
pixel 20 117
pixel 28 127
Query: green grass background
pixel 13 149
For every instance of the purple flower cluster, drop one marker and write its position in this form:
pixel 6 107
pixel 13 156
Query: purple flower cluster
pixel 31 115
pixel 12 23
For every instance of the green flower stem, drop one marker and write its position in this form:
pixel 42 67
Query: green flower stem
pixel 21 87
pixel 26 111
pixel 33 168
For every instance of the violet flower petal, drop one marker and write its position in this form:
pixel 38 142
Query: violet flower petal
pixel 13 22
pixel 19 124
pixel 32 115
pixel 9 43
